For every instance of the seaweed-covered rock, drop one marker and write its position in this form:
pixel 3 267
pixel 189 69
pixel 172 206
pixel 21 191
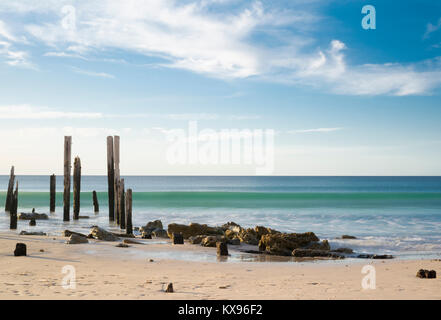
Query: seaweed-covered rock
pixel 196 239
pixel 345 236
pixel 34 215
pixel 160 233
pixel 313 253
pixel 101 234
pixel 343 250
pixel 284 243
pixel 76 239
pixel 193 229
pixel 152 225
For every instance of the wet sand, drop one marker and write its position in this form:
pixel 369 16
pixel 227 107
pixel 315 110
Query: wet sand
pixel 105 272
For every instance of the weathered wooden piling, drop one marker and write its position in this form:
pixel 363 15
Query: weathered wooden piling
pixel 10 191
pixel 96 206
pixel 52 193
pixel 14 207
pixel 110 178
pixel 129 226
pixel 122 205
pixel 117 176
pixel 76 188
pixel 67 167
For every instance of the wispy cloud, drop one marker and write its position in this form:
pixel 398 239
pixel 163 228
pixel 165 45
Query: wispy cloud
pixel 431 28
pixel 93 73
pixel 326 130
pixel 31 112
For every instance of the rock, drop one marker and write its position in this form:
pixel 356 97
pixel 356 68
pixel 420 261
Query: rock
pixel 194 229
pixel 26 233
pixel 222 248
pixel 41 250
pixel 101 234
pixel 374 256
pixel 345 236
pixel 177 238
pixel 32 222
pixel 83 217
pixel 261 231
pixel 248 236
pixel 169 288
pixel 196 239
pixel 324 245
pixel 68 233
pixel 231 226
pixel 344 250
pixel 210 241
pixel 129 241
pixel 157 224
pixel 122 245
pixel 284 243
pixel 29 216
pixel 76 239
pixel 20 250
pixel 146 235
pixel 160 233
pixel 313 253
pixel 426 274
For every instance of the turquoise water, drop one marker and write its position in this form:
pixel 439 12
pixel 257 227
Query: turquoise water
pixel 398 215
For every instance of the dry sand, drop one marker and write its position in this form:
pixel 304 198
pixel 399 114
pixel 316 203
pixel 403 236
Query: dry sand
pixel 106 272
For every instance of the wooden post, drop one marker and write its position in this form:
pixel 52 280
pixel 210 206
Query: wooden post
pixel 10 193
pixel 117 177
pixel 52 193
pixel 129 226
pixel 14 207
pixel 76 188
pixel 122 205
pixel 67 167
pixel 96 206
pixel 110 178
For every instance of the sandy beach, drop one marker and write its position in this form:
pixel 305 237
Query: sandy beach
pixel 105 272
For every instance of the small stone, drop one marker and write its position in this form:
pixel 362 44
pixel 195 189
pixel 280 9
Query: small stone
pixel 20 250
pixel 222 248
pixel 426 274
pixel 169 288
pixel 122 245
pixel 151 260
pixel 177 238
pixel 41 250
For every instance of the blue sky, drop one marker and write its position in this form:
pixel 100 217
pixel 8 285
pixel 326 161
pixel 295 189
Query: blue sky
pixel 342 100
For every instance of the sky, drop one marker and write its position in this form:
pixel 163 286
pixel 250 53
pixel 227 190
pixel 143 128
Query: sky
pixel 338 98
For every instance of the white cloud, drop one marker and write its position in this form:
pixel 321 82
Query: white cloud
pixel 221 43
pixel 315 130
pixel 432 28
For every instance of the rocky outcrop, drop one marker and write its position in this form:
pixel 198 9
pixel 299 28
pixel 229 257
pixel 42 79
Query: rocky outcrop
pixel 76 239
pixel 30 216
pixel 152 225
pixel 160 233
pixel 193 229
pixel 68 233
pixel 426 274
pixel 375 256
pixel 196 239
pixel 210 241
pixel 284 243
pixel 20 250
pixel 26 233
pixel 345 236
pixel 101 234
pixel 314 253
pixel 234 232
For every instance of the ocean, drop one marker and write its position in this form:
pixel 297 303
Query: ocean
pixel 388 215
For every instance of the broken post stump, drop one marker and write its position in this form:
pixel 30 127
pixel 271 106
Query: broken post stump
pixel 169 288
pixel 52 193
pixel 76 188
pixel 110 178
pixel 67 168
pixel 129 226
pixel 10 191
pixel 32 222
pixel 177 238
pixel 222 248
pixel 20 250
pixel 96 206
